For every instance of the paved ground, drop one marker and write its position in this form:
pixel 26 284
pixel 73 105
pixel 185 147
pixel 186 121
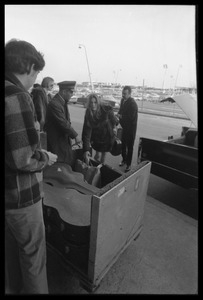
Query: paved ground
pixel 163 260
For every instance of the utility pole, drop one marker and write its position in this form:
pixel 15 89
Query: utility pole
pixel 142 93
pixel 165 67
pixel 80 46
pixel 180 66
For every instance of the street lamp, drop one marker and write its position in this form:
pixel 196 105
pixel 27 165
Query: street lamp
pixel 171 83
pixel 180 66
pixel 80 46
pixel 165 67
pixel 117 75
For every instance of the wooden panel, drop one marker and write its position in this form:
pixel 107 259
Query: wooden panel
pixel 116 218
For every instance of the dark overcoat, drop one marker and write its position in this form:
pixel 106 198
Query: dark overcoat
pixel 40 100
pixel 98 132
pixel 59 129
pixel 129 112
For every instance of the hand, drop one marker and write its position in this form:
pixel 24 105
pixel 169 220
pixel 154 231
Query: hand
pixel 115 130
pixel 78 142
pixel 52 157
pixel 86 156
pixel 37 126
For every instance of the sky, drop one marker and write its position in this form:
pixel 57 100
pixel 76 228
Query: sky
pixel 126 44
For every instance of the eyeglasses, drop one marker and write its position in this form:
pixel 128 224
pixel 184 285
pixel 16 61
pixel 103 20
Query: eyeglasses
pixel 50 86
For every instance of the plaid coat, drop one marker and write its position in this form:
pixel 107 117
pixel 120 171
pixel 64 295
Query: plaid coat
pixel 24 160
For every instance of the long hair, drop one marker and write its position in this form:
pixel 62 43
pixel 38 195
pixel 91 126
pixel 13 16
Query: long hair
pixel 20 56
pixel 93 116
pixel 46 81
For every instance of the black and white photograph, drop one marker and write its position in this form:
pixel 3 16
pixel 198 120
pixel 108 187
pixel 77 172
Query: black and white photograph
pixel 101 149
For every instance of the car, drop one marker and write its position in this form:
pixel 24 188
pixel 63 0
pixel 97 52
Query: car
pixel 108 99
pixel 175 159
pixel 74 98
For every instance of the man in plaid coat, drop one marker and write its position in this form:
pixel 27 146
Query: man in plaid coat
pixel 25 247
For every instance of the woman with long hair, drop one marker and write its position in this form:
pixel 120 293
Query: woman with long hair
pixel 99 128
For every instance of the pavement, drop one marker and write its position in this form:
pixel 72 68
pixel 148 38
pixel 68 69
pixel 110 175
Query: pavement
pixel 162 260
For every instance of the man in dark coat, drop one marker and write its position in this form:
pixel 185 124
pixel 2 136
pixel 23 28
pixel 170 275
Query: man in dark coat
pixel 58 124
pixel 40 96
pixel 128 115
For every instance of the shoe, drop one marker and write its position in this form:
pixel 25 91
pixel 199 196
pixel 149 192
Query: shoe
pixel 122 163
pixel 128 168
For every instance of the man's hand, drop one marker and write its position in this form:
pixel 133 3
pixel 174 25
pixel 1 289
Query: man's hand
pixel 52 157
pixel 78 142
pixel 119 116
pixel 115 130
pixel 86 156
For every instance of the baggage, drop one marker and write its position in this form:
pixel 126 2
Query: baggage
pixel 91 173
pixel 88 226
pixel 119 132
pixel 117 147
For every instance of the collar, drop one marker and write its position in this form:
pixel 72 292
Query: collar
pixel 65 101
pixel 61 97
pixel 13 79
pixel 125 100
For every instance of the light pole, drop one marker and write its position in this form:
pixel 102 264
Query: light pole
pixel 142 93
pixel 117 75
pixel 171 77
pixel 165 67
pixel 180 66
pixel 114 72
pixel 80 46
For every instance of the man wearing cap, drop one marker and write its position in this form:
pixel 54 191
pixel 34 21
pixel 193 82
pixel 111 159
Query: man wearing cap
pixel 58 124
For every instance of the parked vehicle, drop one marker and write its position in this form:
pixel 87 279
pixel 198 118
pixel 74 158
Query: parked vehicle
pixel 175 159
pixel 74 98
pixel 109 99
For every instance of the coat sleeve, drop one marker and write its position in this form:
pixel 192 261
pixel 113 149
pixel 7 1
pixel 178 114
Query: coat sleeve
pixel 120 108
pixel 22 152
pixel 133 112
pixel 86 134
pixel 58 115
pixel 113 119
pixel 38 99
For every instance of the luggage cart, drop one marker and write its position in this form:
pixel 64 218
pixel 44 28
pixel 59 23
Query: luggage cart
pixel 90 228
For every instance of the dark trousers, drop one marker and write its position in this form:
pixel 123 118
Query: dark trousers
pixel 127 148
